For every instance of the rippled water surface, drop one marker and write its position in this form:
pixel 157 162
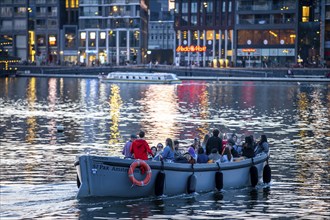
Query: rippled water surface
pixel 37 175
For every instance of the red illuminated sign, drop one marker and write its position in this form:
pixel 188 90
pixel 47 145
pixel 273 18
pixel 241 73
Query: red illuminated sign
pixel 249 50
pixel 191 48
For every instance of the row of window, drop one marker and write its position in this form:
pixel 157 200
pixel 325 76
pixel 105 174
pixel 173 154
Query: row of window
pixel 283 18
pixel 209 20
pixel 110 23
pixel 17 24
pixel 94 39
pixel 203 7
pixel 266 37
pixel 265 5
pixel 161 37
pixel 105 11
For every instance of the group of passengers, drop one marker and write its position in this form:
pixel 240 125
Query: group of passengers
pixel 213 149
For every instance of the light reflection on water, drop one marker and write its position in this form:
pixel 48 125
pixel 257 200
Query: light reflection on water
pixel 37 173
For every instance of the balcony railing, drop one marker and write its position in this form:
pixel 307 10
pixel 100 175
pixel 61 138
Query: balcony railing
pixel 91 2
pixel 19 2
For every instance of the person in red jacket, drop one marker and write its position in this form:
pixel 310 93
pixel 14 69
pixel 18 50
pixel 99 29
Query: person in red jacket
pixel 140 148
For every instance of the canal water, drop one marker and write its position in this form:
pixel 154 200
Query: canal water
pixel 37 175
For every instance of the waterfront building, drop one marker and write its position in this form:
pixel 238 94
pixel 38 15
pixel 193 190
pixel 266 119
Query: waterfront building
pixel 278 33
pixel 113 31
pixel 161 34
pixel 69 34
pixel 204 32
pixel 14 26
pixel 5 59
pixel 49 18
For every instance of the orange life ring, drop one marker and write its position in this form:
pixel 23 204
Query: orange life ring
pixel 146 167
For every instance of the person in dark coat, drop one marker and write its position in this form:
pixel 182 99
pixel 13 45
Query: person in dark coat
pixel 214 142
pixel 202 157
pixel 248 147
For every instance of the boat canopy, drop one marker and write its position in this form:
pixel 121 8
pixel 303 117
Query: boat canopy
pixel 141 76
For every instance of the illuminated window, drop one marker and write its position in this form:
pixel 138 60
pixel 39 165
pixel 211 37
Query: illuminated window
pixel 92 35
pixel 102 35
pixel 52 40
pixel 305 14
pixel 83 35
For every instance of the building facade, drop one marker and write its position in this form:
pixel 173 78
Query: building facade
pixel 113 31
pixel 204 32
pixel 266 33
pixel 69 34
pixel 325 33
pixel 161 34
pixel 14 26
pixel 47 31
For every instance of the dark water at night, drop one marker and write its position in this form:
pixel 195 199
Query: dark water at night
pixel 38 178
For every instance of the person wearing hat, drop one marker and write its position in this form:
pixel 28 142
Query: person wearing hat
pixel 126 150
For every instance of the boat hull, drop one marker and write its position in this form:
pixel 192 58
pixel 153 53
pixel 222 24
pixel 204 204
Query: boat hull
pixel 108 176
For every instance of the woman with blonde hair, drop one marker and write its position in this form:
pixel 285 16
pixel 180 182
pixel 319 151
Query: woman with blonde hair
pixel 168 153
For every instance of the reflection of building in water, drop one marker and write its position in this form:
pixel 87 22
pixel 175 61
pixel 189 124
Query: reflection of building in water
pixel 195 95
pixel 311 156
pixel 303 112
pixel 31 120
pixel 115 105
pixel 52 95
pixel 160 113
pixel 248 94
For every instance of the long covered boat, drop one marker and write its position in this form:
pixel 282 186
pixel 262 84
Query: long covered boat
pixel 136 77
pixel 116 177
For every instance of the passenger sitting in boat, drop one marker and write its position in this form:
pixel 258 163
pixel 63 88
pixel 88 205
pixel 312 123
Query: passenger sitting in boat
pixel 227 156
pixel 159 152
pixel 154 151
pixel 224 140
pixel 231 144
pixel 177 152
pixel 193 147
pixel 140 147
pixel 185 158
pixel 168 154
pixel 126 150
pixel 202 157
pixel 206 138
pixel 237 146
pixel 214 156
pixel 248 147
pixel 262 145
pixel 214 142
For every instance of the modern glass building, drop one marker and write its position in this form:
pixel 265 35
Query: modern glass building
pixel 113 31
pixel 204 32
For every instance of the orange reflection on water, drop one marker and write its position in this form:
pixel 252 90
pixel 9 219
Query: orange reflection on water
pixel 160 107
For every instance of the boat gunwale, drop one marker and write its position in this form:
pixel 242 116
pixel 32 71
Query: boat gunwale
pixel 182 167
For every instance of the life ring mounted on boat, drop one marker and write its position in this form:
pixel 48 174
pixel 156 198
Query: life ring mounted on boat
pixel 145 167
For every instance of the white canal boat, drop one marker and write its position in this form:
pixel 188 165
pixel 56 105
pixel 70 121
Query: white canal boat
pixel 136 77
pixel 116 177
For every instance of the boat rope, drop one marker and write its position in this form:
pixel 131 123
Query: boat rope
pixel 218 166
pixel 162 166
pixel 192 167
